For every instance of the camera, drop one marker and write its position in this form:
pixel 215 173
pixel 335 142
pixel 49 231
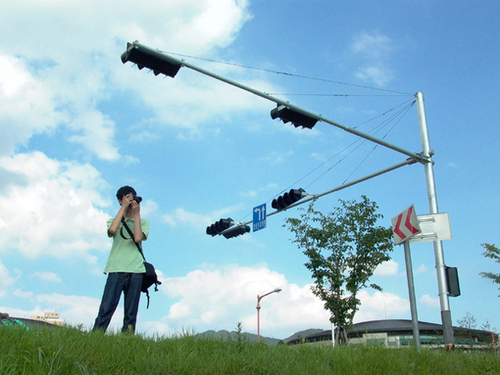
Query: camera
pixel 137 199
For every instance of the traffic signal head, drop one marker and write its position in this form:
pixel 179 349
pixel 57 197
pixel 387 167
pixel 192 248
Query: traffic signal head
pixel 287 199
pixel 147 58
pixel 290 115
pixel 236 231
pixel 219 226
pixel 452 281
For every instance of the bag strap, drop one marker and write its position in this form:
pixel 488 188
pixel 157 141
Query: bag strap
pixel 132 237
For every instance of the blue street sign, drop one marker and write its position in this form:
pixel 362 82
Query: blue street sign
pixel 259 217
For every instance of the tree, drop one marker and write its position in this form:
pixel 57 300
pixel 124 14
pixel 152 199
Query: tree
pixel 468 321
pixel 343 249
pixel 486 326
pixel 492 252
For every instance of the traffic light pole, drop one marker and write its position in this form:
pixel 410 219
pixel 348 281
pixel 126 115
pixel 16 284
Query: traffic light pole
pixel 408 161
pixel 433 207
pixel 169 59
pixel 160 62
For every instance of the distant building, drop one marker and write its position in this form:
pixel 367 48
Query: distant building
pixel 397 333
pixel 49 317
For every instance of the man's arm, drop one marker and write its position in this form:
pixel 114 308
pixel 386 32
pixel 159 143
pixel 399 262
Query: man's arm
pixel 115 224
pixel 136 210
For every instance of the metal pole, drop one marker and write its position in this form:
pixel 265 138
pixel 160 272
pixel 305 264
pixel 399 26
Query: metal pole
pixel 162 56
pixel 341 187
pixel 277 290
pixel 258 318
pixel 413 301
pixel 448 336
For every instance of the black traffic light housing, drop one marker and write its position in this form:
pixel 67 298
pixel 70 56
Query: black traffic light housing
pixel 295 117
pixel 452 281
pixel 219 226
pixel 287 199
pixel 236 231
pixel 148 58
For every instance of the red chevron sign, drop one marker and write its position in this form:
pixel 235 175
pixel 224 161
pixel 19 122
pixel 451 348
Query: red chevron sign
pixel 405 225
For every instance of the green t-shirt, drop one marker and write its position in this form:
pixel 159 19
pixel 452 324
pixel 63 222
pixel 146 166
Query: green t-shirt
pixel 124 255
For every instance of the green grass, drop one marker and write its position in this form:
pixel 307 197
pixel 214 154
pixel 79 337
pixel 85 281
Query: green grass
pixel 73 351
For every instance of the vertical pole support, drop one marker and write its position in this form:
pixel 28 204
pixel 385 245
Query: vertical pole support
pixel 448 336
pixel 413 301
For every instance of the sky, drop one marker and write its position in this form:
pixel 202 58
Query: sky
pixel 77 124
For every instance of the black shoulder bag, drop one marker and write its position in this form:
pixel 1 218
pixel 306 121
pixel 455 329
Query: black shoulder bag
pixel 149 277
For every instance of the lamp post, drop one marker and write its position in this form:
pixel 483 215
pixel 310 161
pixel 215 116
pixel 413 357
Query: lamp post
pixel 277 290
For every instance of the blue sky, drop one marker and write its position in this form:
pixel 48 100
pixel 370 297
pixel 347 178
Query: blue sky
pixel 77 124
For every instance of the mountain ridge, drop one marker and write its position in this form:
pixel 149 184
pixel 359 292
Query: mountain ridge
pixel 251 337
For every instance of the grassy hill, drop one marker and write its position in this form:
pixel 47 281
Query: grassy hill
pixel 72 351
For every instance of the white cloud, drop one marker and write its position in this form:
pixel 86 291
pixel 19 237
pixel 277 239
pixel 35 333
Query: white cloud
pixel 21 93
pixel 373 51
pixel 421 269
pixel 193 103
pixel 5 280
pixel 49 208
pixel 372 45
pixel 152 328
pixel 212 22
pixel 220 297
pixel 193 25
pixel 96 133
pixel 381 305
pixel 148 207
pixel 278 158
pixel 67 62
pixel 431 302
pixel 388 268
pixel 376 74
pixel 47 276
pixel 22 294
pixel 266 188
pixel 182 217
pixel 73 310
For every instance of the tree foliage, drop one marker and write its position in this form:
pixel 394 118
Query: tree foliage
pixel 467 321
pixel 492 252
pixel 343 249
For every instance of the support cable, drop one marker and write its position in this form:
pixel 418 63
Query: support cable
pixel 286 74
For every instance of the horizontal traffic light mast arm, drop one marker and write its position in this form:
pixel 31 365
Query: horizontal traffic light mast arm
pixel 362 179
pixel 234 226
pixel 315 196
pixel 417 157
pixel 341 187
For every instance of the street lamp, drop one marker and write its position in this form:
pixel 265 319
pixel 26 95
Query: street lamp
pixel 277 290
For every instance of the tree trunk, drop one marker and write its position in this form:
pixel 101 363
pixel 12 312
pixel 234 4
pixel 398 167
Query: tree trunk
pixel 340 336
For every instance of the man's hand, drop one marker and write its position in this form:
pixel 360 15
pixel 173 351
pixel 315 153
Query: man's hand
pixel 135 208
pixel 128 208
pixel 127 200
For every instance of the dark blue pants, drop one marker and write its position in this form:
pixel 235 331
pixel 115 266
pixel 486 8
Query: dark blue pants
pixel 118 282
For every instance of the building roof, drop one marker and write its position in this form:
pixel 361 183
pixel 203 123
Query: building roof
pixel 392 327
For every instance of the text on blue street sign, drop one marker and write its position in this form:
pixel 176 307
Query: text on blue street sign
pixel 259 217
